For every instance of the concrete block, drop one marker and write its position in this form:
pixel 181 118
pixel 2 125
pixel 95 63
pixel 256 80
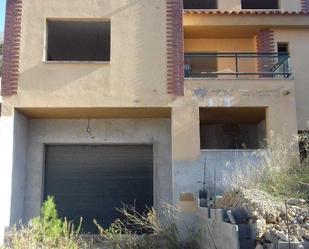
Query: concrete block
pixel 187 203
pixel 231 216
pixel 187 225
pixel 294 245
pixel 203 213
pixel 218 235
pixel 216 214
pixel 187 197
pixel 247 236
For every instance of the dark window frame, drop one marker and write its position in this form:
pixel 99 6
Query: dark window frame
pixel 260 4
pixel 200 4
pixel 104 21
pixel 283 46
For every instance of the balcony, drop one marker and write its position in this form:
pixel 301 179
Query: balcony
pixel 237 65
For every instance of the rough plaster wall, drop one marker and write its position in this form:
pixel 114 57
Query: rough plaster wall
pixel 188 176
pixel 187 156
pixel 298 41
pixel 19 166
pixel 147 131
pixel 6 155
pixel 136 75
pixel 243 93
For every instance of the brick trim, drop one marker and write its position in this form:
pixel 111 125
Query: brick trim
pixel 175 47
pixel 11 49
pixel 265 43
pixel 305 5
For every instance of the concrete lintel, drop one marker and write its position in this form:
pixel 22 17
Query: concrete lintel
pixel 96 112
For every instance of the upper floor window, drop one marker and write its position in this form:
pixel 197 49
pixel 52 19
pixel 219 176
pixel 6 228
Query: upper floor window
pixel 259 4
pixel 78 40
pixel 200 4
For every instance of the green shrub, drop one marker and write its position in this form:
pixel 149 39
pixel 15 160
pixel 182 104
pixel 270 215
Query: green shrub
pixel 48 226
pixel 46 232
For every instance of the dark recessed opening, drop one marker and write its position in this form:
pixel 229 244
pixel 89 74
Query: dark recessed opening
pixel 232 128
pixel 259 4
pixel 200 4
pixel 78 41
pixel 283 47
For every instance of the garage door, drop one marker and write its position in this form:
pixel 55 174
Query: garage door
pixel 91 181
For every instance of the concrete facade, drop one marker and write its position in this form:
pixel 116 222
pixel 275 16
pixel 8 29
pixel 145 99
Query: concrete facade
pixel 127 99
pixel 28 195
pixel 6 155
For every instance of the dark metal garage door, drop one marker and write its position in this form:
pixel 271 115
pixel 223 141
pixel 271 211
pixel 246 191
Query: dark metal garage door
pixel 91 181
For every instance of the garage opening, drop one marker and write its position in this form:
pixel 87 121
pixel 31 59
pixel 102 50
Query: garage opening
pixel 259 4
pixel 78 40
pixel 91 181
pixel 232 128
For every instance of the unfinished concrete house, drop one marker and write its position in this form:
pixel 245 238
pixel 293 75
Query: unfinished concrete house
pixel 107 102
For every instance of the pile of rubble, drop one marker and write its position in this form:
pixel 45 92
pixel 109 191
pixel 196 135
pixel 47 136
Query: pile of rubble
pixel 274 220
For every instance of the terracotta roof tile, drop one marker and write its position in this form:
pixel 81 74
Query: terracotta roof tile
pixel 244 12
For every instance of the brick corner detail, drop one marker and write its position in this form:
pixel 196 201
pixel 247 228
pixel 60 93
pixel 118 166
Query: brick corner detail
pixel 175 47
pixel 11 49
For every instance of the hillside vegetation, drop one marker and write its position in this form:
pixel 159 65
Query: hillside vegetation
pixel 1 56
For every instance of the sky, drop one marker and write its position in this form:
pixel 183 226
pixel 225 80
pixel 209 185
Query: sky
pixel 2 14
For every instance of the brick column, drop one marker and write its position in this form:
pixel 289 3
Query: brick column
pixel 265 43
pixel 305 5
pixel 175 47
pixel 11 51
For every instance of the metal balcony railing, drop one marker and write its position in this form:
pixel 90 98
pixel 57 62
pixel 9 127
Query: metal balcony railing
pixel 237 65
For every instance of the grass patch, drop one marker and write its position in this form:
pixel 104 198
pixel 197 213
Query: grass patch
pixel 279 171
pixel 148 231
pixel 134 231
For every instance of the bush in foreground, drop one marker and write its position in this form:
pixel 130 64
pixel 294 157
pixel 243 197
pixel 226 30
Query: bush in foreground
pixel 133 231
pixel 46 232
pixel 156 232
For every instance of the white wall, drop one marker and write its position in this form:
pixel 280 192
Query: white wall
pixel 298 41
pixel 19 167
pixel 13 144
pixel 6 156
